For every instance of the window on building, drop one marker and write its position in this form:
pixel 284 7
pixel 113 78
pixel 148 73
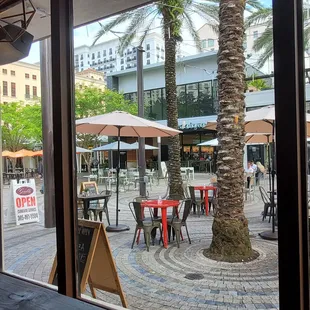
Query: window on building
pixel 76 57
pixel 148 62
pixel 35 91
pixel 203 43
pixel 210 42
pixel 34 77
pixel 88 55
pixel 27 91
pixel 98 54
pixel 82 64
pixel 148 55
pixel 110 51
pixel 104 53
pixel 4 71
pixel 148 47
pixel 5 88
pixel 27 75
pixel 122 60
pixel 122 67
pixel 81 57
pixel 93 63
pixel 12 72
pixel 157 47
pixel 13 89
pixel 93 56
pixel 255 34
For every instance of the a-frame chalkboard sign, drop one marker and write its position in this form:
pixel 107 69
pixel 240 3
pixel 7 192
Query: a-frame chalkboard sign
pixel 96 266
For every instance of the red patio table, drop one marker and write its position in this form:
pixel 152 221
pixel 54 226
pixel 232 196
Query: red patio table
pixel 163 205
pixel 205 189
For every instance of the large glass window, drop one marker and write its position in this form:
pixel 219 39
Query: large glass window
pixel 204 100
pixel 181 97
pixel 193 108
pixel 156 97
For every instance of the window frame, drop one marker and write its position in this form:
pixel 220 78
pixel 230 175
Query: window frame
pixel 5 87
pixel 13 87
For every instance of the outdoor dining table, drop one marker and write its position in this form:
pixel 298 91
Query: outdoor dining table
pixel 87 199
pixel 205 189
pixel 163 205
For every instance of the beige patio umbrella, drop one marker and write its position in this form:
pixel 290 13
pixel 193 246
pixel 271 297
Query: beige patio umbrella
pixel 260 121
pixel 122 124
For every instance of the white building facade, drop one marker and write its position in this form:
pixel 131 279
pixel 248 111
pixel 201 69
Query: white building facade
pixel 209 42
pixel 104 57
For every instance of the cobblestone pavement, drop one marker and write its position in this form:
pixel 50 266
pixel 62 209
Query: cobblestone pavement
pixel 157 279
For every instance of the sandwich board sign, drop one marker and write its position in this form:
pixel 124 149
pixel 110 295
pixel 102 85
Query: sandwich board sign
pixel 90 187
pixel 25 201
pixel 96 266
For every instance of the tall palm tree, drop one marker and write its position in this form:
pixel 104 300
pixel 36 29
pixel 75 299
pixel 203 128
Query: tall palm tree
pixel 230 227
pixel 264 43
pixel 175 15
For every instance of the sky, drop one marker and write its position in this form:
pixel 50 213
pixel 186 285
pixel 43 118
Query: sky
pixel 85 35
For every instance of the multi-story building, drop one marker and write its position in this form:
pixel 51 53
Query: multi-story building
pixel 21 81
pixel 209 42
pixel 104 57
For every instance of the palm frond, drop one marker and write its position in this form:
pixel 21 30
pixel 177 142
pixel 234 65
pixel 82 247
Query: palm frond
pixel 206 10
pixel 147 29
pixel 253 4
pixel 268 52
pixel 307 36
pixel 137 20
pixel 262 15
pixel 192 30
pixel 264 40
pixel 109 26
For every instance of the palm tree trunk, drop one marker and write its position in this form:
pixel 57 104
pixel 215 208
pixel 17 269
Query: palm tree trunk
pixel 230 227
pixel 174 165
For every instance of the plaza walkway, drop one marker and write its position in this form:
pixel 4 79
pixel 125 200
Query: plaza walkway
pixel 162 278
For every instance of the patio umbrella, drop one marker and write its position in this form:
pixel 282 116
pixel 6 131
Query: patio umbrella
pixel 135 146
pixel 7 153
pixel 113 146
pixel 121 124
pixel 21 153
pixel 82 150
pixel 260 121
pixel 249 138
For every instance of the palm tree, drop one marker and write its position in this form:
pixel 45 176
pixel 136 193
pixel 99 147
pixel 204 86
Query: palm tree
pixel 264 43
pixel 175 15
pixel 230 227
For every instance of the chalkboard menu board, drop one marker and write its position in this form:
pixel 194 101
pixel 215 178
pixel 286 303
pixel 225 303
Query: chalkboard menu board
pixel 90 187
pixel 96 266
pixel 85 236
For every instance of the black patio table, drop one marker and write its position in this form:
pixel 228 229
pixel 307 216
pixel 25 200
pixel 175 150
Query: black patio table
pixel 87 199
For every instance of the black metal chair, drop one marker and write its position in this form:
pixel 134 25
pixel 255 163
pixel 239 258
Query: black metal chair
pixel 176 223
pixel 267 204
pixel 98 208
pixel 196 201
pixel 143 223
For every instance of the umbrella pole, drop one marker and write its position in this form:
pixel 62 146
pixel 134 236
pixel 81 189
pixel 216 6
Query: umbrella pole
pixel 269 165
pixel 271 235
pixel 116 227
pixel 117 174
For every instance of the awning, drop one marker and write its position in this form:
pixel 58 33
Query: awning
pixel 85 12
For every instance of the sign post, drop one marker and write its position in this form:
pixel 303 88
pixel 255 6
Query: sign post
pixel 25 201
